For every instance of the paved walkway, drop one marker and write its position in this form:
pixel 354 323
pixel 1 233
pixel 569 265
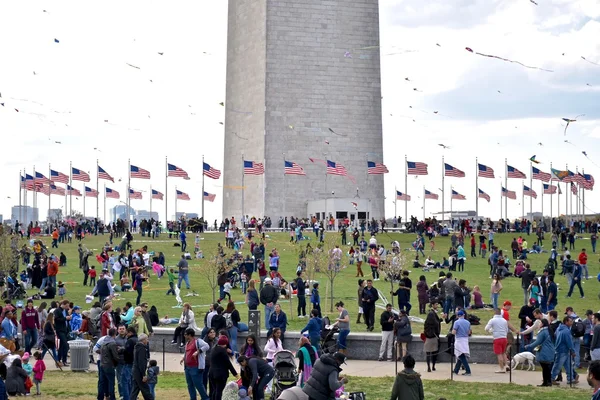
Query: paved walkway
pixel 480 372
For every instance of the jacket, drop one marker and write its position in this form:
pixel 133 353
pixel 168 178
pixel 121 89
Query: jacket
pixel 148 322
pixel 202 348
pixel 15 380
pixel 153 375
pixel 140 325
pixel 577 271
pixel 220 364
pixel 269 294
pixel 386 326
pixel 402 327
pixel 129 348
pixel 369 294
pixel 30 319
pixel 450 286
pixel 253 300
pixel 259 368
pixel 278 321
pixel 546 351
pixel 313 327
pixel 109 354
pixel 60 321
pixel 432 325
pixel 76 322
pixel 324 379
pixel 140 360
pixel 563 342
pixel 126 319
pixel 408 386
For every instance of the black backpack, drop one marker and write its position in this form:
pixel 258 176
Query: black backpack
pixel 578 328
pixel 474 319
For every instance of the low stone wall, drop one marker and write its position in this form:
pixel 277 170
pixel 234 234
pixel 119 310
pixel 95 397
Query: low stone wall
pixel 361 346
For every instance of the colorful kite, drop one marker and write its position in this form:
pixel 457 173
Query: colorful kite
pixel 533 160
pixel 568 121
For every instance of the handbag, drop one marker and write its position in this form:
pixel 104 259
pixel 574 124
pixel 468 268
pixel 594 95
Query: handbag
pixel 28 384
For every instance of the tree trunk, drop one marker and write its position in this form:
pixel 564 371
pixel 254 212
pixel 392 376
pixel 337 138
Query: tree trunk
pixel 331 295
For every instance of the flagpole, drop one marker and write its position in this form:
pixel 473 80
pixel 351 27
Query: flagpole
pixel 476 191
pixel 543 229
pixel 167 190
pixel 34 194
pixel 531 187
pixel 423 202
pixel 176 219
pixel 203 189
pixel 443 173
pixel 25 222
pixel 284 192
pixel 128 202
pixel 71 186
pixel 506 187
pixel 243 189
pixel 104 204
pixel 84 196
pixel 150 200
pixel 523 198
pixel 396 202
pixel 551 195
pixel 583 196
pixel 98 191
pixel 500 200
pixel 405 188
pixel 451 196
pixel 567 199
pixel 22 184
pixel 49 192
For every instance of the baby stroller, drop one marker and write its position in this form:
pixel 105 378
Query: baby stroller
pixel 13 290
pixel 286 375
pixel 328 339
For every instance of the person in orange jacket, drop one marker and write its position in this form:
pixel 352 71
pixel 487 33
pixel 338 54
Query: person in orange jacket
pixel 52 271
pixel 55 238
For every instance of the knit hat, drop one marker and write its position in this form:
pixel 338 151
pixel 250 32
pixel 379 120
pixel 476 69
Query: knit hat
pixel 223 341
pixel 507 303
pixel 25 356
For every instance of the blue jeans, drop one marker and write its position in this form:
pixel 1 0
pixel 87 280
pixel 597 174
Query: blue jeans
pixel 44 283
pixel 543 304
pixel 109 382
pixel 184 277
pixel 577 345
pixel 233 332
pixel 120 379
pixel 126 381
pixel 268 312
pixel 152 386
pixel 495 300
pixel 563 360
pixel 52 280
pixel 139 290
pixel 462 359
pixel 101 379
pixel 183 245
pixel 341 342
pixel 448 304
pixel 194 378
pixel 30 339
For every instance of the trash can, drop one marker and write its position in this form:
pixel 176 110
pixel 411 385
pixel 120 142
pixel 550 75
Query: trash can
pixel 79 354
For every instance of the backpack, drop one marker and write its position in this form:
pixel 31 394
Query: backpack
pixel 94 325
pixel 474 319
pixel 578 328
pixel 228 320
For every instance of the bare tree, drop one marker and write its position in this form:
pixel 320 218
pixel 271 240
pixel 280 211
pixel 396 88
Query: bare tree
pixel 212 269
pixel 329 262
pixel 392 270
pixel 9 252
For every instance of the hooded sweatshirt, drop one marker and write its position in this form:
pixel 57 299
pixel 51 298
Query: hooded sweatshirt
pixel 408 386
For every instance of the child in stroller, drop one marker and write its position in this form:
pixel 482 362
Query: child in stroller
pixel 286 372
pixel 328 339
pixel 13 290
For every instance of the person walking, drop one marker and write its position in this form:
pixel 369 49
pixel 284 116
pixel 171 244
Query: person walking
pixel 583 258
pixel 30 325
pixel 595 343
pixel 431 330
pixel 140 364
pixel 387 333
pixel 564 352
pixel 408 384
pixel 361 287
pixel 220 367
pixel 183 237
pixel 498 326
pixel 369 298
pixel 268 297
pixel 108 363
pixel 403 333
pixel 461 331
pixel 545 352
pixel 194 364
pixel 576 280
pixel 183 272
pixel 126 373
pixel 343 323
pixel 526 277
pixel 61 321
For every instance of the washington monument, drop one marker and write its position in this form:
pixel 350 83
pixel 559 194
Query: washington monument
pixel 303 81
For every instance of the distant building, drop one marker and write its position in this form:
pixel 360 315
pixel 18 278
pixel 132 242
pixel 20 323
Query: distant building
pixel 120 211
pixel 147 215
pixel 27 214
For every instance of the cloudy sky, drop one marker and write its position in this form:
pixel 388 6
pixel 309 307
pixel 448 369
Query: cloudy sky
pixel 169 105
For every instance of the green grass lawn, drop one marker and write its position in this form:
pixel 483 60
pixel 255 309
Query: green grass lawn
pixel 476 273
pixel 172 386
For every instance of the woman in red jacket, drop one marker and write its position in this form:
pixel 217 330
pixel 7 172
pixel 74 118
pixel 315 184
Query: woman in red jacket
pixel 106 321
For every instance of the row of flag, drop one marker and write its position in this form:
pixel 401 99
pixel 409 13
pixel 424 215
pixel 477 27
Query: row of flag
pixel 511 194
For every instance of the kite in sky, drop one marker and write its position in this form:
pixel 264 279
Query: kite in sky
pixel 58 41
pixel 132 66
pixel 591 62
pixel 533 160
pixel 533 2
pixel 470 50
pixel 568 121
pixel 444 146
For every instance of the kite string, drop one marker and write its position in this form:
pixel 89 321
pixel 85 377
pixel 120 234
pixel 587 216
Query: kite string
pixel 513 61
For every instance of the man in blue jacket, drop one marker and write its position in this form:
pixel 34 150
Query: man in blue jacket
pixel 314 328
pixel 576 280
pixel 564 352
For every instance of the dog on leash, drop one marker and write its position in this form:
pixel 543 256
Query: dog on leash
pixel 523 358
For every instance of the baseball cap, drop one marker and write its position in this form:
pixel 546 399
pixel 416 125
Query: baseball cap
pixel 76 308
pixel 460 313
pixel 569 309
pixel 507 303
pixel 25 356
pixel 532 301
pixel 340 358
pixel 268 280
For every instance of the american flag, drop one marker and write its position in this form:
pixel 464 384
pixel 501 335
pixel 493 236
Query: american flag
pixel 416 168
pixel 79 175
pixel 291 168
pixel 579 179
pixel 27 182
pixel 209 196
pixel 51 189
pixel 176 172
pixel 253 168
pixel 527 191
pixel 402 196
pixel 135 195
pixel 182 196
pixel 112 194
pixel 549 189
pixel 574 188
pixel 539 175
pixel 73 191
pixel 139 173
pixel 509 193
pixel 512 172
pixel 457 196
pixel 59 177
pixel 432 196
pixel 570 177
pixel 336 169
pixel 484 195
pixel 40 178
pixel 89 192
pixel 157 195
pixel 211 172
pixel 374 168
pixel 102 174
pixel 589 182
pixel 449 170
pixel 485 171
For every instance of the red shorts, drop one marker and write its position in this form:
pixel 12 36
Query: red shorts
pixel 500 345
